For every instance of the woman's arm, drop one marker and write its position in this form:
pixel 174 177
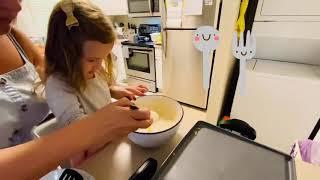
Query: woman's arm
pixel 35 54
pixel 34 159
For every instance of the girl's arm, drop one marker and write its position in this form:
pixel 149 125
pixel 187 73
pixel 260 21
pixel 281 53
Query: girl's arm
pixel 129 92
pixel 63 101
pixel 34 159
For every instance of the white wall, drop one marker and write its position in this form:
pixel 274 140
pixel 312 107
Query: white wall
pixel 34 16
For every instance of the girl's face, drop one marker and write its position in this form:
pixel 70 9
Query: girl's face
pixel 94 53
pixel 9 10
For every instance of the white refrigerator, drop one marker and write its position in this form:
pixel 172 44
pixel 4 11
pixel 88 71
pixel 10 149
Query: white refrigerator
pixel 182 64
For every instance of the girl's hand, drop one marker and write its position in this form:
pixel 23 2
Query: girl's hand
pixel 129 92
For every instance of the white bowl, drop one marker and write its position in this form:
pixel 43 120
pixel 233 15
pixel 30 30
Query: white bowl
pixel 166 108
pixel 55 175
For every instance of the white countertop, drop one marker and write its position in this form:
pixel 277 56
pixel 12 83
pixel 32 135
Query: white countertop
pixel 121 158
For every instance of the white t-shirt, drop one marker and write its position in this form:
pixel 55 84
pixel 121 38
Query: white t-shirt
pixel 68 105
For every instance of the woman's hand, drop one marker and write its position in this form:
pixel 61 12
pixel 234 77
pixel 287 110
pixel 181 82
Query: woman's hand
pixel 129 92
pixel 117 120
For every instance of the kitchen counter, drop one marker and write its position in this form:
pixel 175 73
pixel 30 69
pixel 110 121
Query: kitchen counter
pixel 121 158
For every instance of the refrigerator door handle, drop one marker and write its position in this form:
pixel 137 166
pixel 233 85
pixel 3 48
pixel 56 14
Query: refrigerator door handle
pixel 150 7
pixel 164 42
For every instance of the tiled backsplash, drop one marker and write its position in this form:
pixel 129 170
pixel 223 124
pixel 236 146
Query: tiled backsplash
pixel 145 20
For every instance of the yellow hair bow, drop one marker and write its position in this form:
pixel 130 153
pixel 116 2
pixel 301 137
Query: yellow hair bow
pixel 67 7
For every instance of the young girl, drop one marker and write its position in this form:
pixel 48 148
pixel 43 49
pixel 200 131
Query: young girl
pixel 79 72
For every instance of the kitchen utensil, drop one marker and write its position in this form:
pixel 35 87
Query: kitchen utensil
pixel 146 170
pixel 70 174
pixel 243 52
pixel 166 112
pixel 206 39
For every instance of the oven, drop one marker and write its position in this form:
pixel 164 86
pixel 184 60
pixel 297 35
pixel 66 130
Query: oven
pixel 140 66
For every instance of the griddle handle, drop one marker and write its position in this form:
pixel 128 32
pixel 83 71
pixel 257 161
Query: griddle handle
pixel 146 171
pixel 315 131
pixel 239 126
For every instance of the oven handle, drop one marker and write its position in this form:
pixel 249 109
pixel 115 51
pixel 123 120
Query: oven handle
pixel 143 52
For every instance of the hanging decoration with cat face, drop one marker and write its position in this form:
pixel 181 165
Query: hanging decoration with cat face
pixel 206 39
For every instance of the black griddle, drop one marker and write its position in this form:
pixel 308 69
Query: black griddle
pixel 208 152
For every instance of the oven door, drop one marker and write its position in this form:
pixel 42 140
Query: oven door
pixel 141 63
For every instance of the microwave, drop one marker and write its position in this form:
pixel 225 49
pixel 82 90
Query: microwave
pixel 144 8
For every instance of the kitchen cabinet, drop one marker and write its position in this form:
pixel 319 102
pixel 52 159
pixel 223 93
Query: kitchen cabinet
pixel 288 10
pixel 113 7
pixel 288 41
pixel 159 74
pixel 291 8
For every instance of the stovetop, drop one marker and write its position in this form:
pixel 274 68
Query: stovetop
pixel 139 43
pixel 144 32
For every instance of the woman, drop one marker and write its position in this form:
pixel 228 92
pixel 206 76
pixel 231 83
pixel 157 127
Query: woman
pixel 21 109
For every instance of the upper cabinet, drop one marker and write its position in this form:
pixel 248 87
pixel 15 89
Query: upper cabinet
pixel 288 30
pixel 113 7
pixel 288 10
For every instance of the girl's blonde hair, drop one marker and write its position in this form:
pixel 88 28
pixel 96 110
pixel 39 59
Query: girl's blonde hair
pixel 64 46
